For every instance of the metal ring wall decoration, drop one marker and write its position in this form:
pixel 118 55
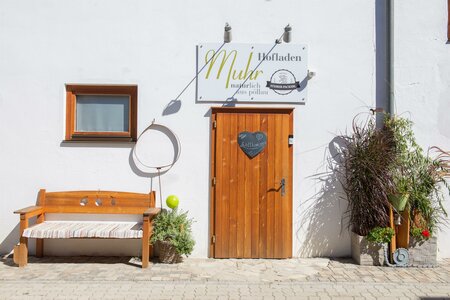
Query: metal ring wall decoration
pixel 174 138
pixel 171 135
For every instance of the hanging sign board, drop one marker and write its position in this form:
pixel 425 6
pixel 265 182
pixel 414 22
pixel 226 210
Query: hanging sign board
pixel 252 73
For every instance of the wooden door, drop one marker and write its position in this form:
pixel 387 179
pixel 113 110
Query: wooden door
pixel 251 211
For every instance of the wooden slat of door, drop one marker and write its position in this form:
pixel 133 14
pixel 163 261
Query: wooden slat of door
pixel 281 142
pixel 225 182
pixel 263 156
pixel 212 203
pixel 254 186
pixel 286 204
pixel 248 194
pixel 240 220
pixel 270 188
pixel 218 248
pixel 233 185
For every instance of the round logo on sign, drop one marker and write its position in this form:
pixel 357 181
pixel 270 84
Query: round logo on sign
pixel 283 82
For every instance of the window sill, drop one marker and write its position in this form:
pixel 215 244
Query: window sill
pixel 96 144
pixel 101 140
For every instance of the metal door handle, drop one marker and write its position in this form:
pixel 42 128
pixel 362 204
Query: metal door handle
pixel 283 186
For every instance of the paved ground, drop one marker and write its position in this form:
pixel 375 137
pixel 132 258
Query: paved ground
pixel 121 278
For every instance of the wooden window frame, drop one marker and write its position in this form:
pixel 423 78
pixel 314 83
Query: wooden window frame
pixel 72 90
pixel 448 20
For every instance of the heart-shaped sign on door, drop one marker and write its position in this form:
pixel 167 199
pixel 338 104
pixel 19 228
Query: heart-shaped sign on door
pixel 252 143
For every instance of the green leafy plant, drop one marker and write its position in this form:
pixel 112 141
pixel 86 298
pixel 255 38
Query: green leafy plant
pixel 175 227
pixel 381 235
pixel 417 175
pixel 367 157
pixel 407 152
pixel 427 193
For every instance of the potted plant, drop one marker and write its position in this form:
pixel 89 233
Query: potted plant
pixel 427 211
pixel 172 232
pixel 367 181
pixel 370 249
pixel 384 167
pixel 418 181
pixel 399 198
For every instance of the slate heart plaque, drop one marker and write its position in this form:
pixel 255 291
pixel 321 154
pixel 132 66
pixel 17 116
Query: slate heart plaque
pixel 252 143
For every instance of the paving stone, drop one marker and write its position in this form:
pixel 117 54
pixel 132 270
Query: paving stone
pixel 117 278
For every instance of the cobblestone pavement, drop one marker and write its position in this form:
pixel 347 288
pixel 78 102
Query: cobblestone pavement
pixel 122 278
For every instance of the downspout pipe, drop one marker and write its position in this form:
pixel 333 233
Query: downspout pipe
pixel 384 46
pixel 391 55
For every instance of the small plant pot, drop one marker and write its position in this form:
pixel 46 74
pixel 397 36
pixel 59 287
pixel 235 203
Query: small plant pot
pixel 168 254
pixel 366 253
pixel 399 201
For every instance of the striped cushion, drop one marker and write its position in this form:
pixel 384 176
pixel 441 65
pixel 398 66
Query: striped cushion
pixel 84 229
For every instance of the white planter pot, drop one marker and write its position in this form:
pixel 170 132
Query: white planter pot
pixel 423 253
pixel 366 253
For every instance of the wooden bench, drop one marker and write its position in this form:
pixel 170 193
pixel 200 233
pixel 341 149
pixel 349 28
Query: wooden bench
pixel 86 202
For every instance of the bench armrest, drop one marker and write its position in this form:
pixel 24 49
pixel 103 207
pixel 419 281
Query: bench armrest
pixel 29 212
pixel 152 212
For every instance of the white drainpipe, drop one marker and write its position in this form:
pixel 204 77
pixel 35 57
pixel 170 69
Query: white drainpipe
pixel 391 45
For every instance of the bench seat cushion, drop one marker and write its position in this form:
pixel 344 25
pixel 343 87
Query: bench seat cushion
pixel 84 229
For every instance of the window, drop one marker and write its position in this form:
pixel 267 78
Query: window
pixel 101 112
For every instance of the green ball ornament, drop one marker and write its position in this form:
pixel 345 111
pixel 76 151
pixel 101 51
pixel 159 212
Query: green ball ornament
pixel 172 201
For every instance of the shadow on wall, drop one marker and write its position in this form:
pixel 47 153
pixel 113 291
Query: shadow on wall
pixel 172 107
pixel 11 239
pixel 323 215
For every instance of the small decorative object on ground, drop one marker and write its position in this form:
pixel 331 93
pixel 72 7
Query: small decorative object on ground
pixel 172 231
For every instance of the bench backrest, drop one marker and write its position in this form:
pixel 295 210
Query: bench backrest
pixel 95 202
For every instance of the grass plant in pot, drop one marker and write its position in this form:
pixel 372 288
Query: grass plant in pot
pixel 367 180
pixel 173 234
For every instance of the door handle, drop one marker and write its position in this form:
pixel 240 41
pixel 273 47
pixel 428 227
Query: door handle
pixel 283 186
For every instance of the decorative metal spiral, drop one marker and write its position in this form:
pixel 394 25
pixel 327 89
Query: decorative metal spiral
pixel 401 257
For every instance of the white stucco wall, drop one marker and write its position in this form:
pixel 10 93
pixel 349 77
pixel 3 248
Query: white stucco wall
pixel 422 77
pixel 46 44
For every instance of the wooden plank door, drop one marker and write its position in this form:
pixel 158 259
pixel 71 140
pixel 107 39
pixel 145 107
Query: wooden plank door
pixel 251 213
